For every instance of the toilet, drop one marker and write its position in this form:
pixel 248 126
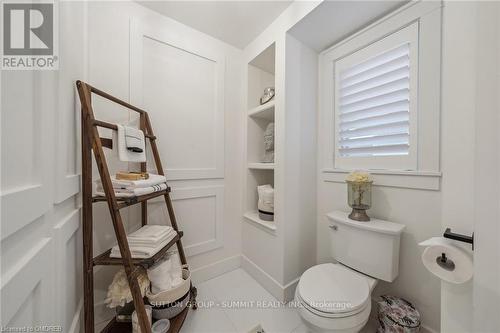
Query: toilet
pixel 336 297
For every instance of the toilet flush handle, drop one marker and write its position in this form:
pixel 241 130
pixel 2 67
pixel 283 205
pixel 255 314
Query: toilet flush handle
pixel 334 227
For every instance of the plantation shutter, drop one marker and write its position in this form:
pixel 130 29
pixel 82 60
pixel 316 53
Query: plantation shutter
pixel 374 106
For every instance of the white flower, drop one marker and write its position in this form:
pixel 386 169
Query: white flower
pixel 119 292
pixel 359 177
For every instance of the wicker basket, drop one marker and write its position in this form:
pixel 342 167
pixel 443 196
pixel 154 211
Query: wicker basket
pixel 171 295
pixel 171 310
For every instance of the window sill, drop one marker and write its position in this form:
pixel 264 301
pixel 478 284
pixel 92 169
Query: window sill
pixel 421 180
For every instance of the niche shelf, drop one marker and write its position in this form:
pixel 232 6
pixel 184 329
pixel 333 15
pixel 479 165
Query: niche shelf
pixel 261 166
pixel 253 216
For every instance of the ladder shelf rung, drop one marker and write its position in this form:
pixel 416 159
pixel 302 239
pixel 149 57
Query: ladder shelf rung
pixel 105 259
pixel 125 202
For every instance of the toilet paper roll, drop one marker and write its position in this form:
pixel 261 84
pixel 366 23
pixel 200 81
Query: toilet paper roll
pixel 446 260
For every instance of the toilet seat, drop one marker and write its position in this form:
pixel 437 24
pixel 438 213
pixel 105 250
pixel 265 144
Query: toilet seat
pixel 333 291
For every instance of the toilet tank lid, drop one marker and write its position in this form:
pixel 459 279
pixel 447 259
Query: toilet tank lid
pixel 375 225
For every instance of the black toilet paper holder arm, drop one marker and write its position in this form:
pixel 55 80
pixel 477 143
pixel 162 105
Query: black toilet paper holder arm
pixel 459 237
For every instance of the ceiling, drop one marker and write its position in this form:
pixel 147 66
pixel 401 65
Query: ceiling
pixel 234 22
pixel 332 21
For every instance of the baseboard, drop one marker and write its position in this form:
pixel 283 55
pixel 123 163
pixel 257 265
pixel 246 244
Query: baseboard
pixel 215 269
pixel 289 290
pixel 76 322
pixel 425 329
pixel 282 293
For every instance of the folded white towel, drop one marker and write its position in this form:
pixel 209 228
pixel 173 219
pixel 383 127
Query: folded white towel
pixel 150 243
pixel 141 252
pixel 135 141
pixel 147 241
pixel 150 231
pixel 128 193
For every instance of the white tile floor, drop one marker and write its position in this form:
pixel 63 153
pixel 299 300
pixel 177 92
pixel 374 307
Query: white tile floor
pixel 220 313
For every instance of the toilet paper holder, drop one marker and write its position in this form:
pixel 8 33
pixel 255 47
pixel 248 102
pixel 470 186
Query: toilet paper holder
pixel 459 237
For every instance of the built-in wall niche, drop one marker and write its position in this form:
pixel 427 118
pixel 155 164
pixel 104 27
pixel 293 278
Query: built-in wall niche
pixel 256 177
pixel 260 75
pixel 256 151
pixel 260 171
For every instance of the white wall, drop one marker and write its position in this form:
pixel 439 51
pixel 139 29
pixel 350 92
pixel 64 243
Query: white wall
pixel 41 268
pixel 419 211
pixel 458 104
pixel 301 80
pixel 292 247
pixel 487 157
pixel 417 208
pixel 109 61
pixel 470 45
pixel 444 307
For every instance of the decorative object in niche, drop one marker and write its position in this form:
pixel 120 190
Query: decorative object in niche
pixel 359 195
pixel 267 96
pixel 269 144
pixel 266 202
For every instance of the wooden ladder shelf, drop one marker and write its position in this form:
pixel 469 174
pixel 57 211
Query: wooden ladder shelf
pixel 91 141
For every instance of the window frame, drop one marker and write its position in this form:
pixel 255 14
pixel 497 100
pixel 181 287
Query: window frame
pixel 426 172
pixel 408 34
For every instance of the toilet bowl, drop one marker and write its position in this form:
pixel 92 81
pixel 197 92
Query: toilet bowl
pixel 334 298
pixel 337 297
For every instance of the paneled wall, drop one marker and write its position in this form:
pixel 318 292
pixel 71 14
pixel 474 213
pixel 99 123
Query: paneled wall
pixel 190 84
pixel 40 216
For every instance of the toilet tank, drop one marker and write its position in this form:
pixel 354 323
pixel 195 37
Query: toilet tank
pixel 370 247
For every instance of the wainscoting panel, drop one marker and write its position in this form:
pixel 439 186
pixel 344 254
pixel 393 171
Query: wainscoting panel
pixel 26 287
pixel 69 260
pixel 199 212
pixel 181 86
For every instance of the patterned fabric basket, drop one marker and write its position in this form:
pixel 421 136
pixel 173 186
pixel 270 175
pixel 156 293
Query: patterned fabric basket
pixel 396 315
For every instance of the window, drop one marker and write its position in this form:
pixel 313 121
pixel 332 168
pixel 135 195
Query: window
pixel 380 100
pixel 375 104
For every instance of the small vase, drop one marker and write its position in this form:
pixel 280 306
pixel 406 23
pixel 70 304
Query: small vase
pixel 359 199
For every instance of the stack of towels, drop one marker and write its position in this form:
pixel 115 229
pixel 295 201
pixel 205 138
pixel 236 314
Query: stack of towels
pixel 132 188
pixel 147 241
